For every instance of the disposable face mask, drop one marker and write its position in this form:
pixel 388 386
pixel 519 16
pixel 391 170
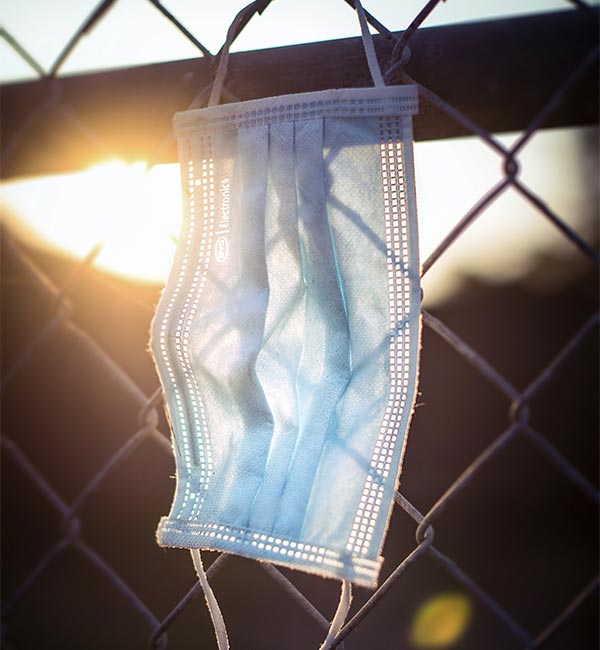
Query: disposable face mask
pixel 287 338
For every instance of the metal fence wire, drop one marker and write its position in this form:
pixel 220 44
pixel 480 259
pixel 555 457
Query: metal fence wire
pixel 86 576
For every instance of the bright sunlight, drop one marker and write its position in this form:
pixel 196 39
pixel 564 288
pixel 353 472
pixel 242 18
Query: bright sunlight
pixel 134 214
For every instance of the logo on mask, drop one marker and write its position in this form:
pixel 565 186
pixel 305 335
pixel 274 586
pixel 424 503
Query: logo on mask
pixel 221 249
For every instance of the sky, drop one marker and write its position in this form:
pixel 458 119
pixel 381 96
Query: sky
pixel 451 175
pixel 133 32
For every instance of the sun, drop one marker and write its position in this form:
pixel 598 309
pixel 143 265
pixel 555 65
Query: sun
pixel 134 215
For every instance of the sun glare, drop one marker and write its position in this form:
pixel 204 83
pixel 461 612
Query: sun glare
pixel 134 214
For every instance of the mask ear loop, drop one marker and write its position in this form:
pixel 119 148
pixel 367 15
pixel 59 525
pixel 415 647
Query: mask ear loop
pixel 232 32
pixel 340 615
pixel 211 601
pixel 367 39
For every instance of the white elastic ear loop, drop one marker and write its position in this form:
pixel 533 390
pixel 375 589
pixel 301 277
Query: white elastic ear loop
pixel 211 601
pixel 367 40
pixel 217 89
pixel 340 615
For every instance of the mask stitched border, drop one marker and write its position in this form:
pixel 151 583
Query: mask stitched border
pixel 345 102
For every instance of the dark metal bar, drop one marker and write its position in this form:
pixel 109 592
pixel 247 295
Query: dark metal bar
pixel 567 613
pixel 22 52
pixel 160 630
pixel 406 564
pixel 482 596
pixel 86 26
pixel 497 73
pixel 117 581
pixel 290 588
pixel 182 28
pixel 473 357
pixel 564 465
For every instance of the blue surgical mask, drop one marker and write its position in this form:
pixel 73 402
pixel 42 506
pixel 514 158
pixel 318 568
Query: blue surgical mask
pixel 287 338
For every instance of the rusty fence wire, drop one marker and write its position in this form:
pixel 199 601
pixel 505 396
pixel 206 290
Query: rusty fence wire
pixel 150 427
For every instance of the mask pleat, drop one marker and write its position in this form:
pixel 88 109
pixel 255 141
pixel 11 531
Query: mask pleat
pixel 239 401
pixel 325 364
pixel 279 357
pixel 358 227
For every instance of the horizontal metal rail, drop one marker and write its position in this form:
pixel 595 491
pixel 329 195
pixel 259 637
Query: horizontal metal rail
pixel 497 73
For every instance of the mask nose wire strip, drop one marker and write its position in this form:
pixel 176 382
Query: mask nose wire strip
pixel 211 601
pixel 340 615
pixel 367 40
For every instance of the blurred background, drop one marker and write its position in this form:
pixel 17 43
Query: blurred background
pixel 86 247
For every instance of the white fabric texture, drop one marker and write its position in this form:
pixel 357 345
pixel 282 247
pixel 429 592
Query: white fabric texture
pixel 287 338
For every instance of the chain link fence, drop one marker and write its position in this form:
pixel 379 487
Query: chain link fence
pixel 87 473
